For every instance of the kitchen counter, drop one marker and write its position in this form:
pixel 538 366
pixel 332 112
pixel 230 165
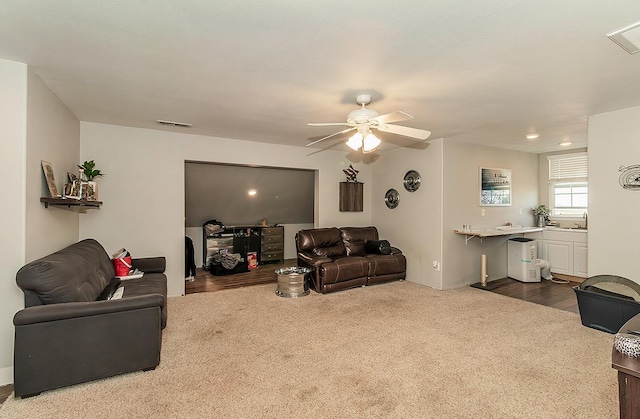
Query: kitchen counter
pixel 496 231
pixel 572 229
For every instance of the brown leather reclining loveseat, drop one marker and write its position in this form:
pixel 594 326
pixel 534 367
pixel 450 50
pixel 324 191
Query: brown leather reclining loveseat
pixel 348 257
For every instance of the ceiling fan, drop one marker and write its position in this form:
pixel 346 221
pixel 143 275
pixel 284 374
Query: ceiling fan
pixel 363 120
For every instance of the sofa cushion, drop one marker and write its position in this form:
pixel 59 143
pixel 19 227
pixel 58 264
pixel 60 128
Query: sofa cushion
pixel 386 264
pixel 354 239
pixel 380 247
pixel 77 273
pixel 345 269
pixel 330 252
pixel 150 283
pixel 315 240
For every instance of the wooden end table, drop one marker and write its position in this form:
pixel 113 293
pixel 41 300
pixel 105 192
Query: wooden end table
pixel 628 376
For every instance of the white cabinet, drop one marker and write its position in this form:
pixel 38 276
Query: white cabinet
pixel 566 251
pixel 580 260
pixel 560 256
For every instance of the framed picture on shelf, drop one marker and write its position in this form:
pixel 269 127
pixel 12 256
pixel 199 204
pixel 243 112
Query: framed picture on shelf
pixel 495 187
pixel 51 181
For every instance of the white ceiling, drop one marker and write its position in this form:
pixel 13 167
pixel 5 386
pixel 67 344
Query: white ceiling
pixel 480 71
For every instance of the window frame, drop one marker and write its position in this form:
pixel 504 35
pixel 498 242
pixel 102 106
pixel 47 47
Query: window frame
pixel 579 175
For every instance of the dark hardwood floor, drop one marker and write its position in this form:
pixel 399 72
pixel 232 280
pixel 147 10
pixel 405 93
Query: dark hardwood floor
pixel 263 274
pixel 5 391
pixel 546 293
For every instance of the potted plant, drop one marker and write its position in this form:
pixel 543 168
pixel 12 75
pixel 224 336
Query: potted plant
pixel 90 171
pixel 542 215
pixel 90 187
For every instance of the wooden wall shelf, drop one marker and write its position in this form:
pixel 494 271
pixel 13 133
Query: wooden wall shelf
pixel 70 202
pixel 351 196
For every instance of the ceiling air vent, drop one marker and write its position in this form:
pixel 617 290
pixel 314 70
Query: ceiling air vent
pixel 173 124
pixel 628 38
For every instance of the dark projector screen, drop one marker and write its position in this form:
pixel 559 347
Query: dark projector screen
pixel 221 192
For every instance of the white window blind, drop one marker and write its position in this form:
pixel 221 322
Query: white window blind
pixel 568 166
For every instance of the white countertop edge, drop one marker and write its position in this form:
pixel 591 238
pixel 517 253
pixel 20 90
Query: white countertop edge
pixel 492 231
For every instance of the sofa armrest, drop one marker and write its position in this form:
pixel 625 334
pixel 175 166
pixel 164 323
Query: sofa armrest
pixel 395 251
pixel 150 265
pixel 62 344
pixel 313 260
pixel 63 311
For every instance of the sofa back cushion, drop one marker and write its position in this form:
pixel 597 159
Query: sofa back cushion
pixel 321 242
pixel 77 273
pixel 354 238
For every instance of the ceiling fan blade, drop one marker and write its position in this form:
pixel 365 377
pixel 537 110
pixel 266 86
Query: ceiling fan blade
pixel 332 135
pixel 420 134
pixel 325 124
pixel 396 116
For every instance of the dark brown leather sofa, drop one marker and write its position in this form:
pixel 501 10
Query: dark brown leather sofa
pixel 70 333
pixel 342 258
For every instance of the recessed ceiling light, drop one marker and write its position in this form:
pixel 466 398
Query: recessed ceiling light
pixel 565 143
pixel 628 38
pixel 252 192
pixel 532 136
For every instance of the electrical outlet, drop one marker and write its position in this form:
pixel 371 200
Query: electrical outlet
pixel 436 265
pixel 520 211
pixel 483 212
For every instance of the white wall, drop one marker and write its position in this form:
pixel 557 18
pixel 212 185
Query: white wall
pixel 415 226
pixel 35 126
pixel 614 141
pixel 461 262
pixel 143 190
pixel 53 135
pixel 13 126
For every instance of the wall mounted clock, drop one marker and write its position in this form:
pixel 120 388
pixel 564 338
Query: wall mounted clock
pixel 392 198
pixel 630 177
pixel 412 180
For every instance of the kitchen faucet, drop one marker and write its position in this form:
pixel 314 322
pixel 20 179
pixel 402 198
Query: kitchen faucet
pixel 586 220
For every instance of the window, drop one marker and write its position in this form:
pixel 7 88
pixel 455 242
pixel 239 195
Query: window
pixel 568 185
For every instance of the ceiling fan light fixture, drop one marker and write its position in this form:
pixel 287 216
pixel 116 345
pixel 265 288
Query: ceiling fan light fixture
pixel 370 143
pixel 364 120
pixel 355 141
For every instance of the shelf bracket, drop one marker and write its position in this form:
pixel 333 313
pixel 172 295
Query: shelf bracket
pixel 467 238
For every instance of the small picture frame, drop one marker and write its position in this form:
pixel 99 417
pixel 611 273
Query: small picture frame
pixel 51 181
pixel 73 190
pixel 495 187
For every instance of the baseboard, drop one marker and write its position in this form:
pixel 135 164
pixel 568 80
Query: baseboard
pixel 6 376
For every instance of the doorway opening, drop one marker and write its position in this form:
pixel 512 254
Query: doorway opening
pixel 246 200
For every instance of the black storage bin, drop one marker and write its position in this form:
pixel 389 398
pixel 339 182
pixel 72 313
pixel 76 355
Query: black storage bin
pixel 605 310
pixel 217 269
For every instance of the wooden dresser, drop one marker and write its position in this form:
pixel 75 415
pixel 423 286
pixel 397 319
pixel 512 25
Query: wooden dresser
pixel 271 244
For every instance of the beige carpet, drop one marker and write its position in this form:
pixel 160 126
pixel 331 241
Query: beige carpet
pixel 391 350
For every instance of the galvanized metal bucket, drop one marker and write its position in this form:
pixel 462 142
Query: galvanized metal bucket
pixel 292 282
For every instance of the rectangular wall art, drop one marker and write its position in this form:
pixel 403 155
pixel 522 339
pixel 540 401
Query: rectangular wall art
pixel 495 187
